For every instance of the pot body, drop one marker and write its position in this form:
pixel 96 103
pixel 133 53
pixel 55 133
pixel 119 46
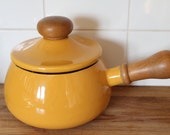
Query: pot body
pixel 57 101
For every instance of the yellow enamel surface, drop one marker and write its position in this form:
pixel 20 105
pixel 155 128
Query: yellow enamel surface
pixel 114 76
pixel 56 56
pixel 57 101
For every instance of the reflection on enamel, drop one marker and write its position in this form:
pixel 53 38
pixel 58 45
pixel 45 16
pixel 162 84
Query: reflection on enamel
pixel 41 93
pixel 29 104
pixel 40 110
pixel 71 97
pixel 26 45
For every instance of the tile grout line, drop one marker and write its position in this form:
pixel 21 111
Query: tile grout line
pixel 106 30
pixel 44 12
pixel 17 29
pixel 127 33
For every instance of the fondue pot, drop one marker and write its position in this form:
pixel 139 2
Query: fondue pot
pixel 59 81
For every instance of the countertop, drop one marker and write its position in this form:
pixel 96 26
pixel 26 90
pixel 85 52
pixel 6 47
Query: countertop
pixel 132 111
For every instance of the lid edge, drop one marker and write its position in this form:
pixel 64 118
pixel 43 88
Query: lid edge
pixel 53 69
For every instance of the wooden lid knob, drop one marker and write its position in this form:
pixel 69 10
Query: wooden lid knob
pixel 55 27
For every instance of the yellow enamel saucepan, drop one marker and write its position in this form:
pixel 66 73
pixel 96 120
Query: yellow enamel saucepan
pixel 59 81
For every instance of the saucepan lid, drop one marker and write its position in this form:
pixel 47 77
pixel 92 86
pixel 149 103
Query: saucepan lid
pixel 56 51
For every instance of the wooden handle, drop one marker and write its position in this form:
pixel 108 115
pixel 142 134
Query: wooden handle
pixel 55 27
pixel 156 66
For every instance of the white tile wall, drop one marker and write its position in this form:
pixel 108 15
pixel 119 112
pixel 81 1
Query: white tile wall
pixel 149 14
pixel 128 30
pixel 19 14
pixel 95 14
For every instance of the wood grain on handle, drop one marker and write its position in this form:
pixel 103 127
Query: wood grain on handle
pixel 157 66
